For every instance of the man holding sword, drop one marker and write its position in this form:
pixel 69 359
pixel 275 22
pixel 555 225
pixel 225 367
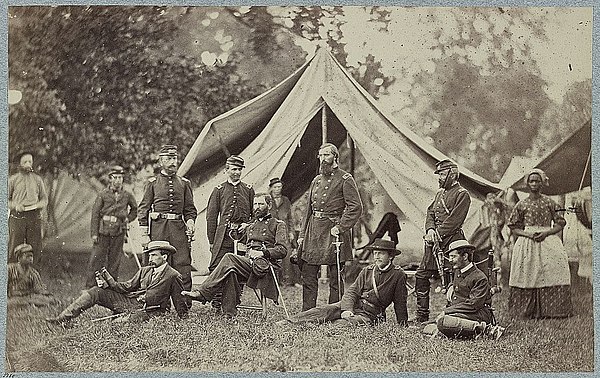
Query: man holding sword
pixel 167 212
pixel 266 244
pixel 443 225
pixel 333 208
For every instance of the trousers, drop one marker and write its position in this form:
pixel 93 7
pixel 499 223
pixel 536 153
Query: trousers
pixel 107 252
pixel 310 284
pixel 25 227
pixel 328 313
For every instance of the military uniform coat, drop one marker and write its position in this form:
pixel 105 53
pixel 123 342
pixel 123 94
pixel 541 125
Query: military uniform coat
pixel 470 296
pixel 361 299
pixel 273 234
pixel 169 194
pixel 158 292
pixel 446 214
pixel 120 204
pixel 228 203
pixel 336 196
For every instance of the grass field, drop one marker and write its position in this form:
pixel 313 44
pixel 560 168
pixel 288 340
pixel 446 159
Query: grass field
pixel 207 342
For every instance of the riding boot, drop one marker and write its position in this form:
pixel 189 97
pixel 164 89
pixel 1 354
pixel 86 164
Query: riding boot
pixel 79 305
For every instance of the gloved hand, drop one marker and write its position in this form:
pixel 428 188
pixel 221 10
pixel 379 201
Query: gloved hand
pixel 346 314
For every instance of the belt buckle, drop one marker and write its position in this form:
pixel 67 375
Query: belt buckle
pixel 318 214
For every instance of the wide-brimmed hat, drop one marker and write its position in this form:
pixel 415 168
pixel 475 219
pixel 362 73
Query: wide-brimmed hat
pixel 168 150
pixel 21 249
pixel 384 245
pixel 445 164
pixel 460 244
pixel 160 245
pixel 235 160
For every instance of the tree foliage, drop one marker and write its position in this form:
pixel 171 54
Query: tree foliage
pixel 102 85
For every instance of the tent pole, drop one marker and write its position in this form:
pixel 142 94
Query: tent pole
pixel 352 154
pixel 585 170
pixel 324 124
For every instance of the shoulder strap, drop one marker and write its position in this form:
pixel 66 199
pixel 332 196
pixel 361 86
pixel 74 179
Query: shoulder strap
pixel 375 285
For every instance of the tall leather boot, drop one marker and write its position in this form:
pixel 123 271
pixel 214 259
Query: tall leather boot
pixel 79 305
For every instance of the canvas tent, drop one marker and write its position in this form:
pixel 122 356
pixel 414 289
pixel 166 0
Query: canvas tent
pixel 568 165
pixel 278 134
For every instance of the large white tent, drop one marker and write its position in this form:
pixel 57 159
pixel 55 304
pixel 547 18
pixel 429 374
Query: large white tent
pixel 278 134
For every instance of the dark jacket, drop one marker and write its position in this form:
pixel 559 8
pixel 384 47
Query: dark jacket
pixel 228 203
pixel 119 204
pixel 471 297
pixel 336 196
pixel 271 236
pixel 167 194
pixel 167 286
pixel 360 298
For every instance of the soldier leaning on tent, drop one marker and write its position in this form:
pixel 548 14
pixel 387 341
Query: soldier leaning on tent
pixel 333 208
pixel 113 209
pixel 443 225
pixel 167 212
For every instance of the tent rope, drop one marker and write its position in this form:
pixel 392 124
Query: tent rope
pixel 587 163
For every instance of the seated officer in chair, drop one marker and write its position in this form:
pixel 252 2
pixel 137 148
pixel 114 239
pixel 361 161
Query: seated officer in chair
pixel 267 244
pixel 376 287
pixel 469 312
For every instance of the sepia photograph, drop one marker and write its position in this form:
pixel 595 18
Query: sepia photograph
pixel 299 189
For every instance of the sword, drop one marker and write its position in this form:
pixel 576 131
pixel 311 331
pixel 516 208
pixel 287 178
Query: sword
pixel 145 309
pixel 337 244
pixel 438 254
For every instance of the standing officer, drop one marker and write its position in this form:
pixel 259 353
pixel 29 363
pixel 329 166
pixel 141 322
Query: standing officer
pixel 445 217
pixel 229 205
pixel 333 208
pixel 167 212
pixel 26 199
pixel 113 209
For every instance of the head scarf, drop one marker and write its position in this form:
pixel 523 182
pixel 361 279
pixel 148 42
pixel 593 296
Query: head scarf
pixel 542 174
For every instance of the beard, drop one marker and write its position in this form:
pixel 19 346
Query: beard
pixel 325 168
pixel 258 213
pixel 25 169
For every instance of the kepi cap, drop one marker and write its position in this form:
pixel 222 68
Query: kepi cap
pixel 384 245
pixel 274 180
pixel 160 245
pixel 445 164
pixel 168 150
pixel 236 161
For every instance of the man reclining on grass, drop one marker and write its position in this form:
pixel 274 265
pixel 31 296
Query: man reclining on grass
pixel 266 244
pixel 469 313
pixel 25 285
pixel 150 291
pixel 365 301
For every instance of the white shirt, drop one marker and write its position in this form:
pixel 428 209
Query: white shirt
pixel 157 271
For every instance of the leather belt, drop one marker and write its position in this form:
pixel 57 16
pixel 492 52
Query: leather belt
pixel 110 218
pixel 322 214
pixel 170 216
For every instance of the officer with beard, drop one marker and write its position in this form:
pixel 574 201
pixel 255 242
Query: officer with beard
pixel 445 217
pixel 167 212
pixel 26 199
pixel 266 244
pixel 333 208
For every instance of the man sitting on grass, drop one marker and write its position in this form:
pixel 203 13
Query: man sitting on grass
pixel 469 313
pixel 376 287
pixel 267 244
pixel 25 285
pixel 150 291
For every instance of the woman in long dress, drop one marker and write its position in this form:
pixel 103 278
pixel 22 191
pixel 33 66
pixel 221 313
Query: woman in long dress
pixel 540 280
